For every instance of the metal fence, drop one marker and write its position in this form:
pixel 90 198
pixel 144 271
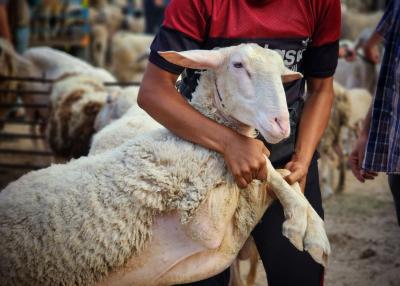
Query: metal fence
pixel 9 136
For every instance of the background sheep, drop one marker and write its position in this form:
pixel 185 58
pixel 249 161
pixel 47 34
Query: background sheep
pixel 153 187
pixel 52 64
pixel 129 55
pixel 135 122
pixel 360 72
pixel 349 110
pixel 353 22
pixel 75 102
pixel 98 44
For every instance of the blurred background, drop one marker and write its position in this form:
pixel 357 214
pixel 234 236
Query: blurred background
pixel 70 67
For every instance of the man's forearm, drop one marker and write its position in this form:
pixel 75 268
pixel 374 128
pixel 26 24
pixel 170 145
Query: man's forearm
pixel 314 118
pixel 163 103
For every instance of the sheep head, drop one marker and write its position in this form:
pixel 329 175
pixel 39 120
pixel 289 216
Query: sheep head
pixel 249 85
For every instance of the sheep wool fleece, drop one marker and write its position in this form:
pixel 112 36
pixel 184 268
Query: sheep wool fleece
pixel 72 224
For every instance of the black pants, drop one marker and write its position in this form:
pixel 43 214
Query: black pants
pixel 394 183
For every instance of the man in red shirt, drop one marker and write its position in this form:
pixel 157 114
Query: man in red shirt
pixel 306 34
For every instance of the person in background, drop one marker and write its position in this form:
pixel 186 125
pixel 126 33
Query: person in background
pixel 4 25
pixel 154 14
pixel 308 39
pixel 19 13
pixel 378 146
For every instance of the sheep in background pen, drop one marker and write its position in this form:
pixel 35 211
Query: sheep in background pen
pixel 117 105
pixel 75 103
pixel 349 109
pixel 98 44
pixel 360 72
pixel 45 21
pixel 113 17
pixel 353 23
pixel 52 64
pixel 129 55
pixel 107 218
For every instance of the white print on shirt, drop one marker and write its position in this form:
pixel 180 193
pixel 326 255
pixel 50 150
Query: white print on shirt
pixel 291 58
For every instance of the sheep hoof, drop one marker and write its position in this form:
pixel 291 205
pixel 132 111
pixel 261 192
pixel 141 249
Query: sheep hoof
pixel 315 241
pixel 295 225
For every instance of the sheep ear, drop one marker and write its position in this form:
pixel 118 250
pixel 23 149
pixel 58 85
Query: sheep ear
pixel 289 75
pixel 195 59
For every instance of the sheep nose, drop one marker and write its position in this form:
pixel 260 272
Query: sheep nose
pixel 283 124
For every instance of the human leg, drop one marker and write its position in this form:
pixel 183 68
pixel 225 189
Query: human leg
pixel 394 183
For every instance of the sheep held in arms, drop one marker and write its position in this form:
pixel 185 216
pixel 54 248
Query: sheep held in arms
pixel 159 210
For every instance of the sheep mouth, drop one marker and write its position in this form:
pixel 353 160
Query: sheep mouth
pixel 269 136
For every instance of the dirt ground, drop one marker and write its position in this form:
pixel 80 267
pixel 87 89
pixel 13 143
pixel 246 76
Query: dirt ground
pixel 8 175
pixel 364 237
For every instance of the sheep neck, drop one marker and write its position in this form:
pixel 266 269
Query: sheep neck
pixel 207 100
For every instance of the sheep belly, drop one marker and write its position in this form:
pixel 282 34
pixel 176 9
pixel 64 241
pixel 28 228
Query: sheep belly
pixel 172 257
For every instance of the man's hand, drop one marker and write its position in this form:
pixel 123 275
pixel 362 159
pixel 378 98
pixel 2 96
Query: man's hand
pixel 299 170
pixel 371 47
pixel 357 157
pixel 245 158
pixel 372 53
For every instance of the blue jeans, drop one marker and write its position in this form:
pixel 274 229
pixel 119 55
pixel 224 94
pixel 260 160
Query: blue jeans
pixel 22 39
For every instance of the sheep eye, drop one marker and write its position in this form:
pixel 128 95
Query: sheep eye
pixel 238 65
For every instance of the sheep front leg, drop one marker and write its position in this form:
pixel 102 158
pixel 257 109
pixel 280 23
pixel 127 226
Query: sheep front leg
pixel 303 226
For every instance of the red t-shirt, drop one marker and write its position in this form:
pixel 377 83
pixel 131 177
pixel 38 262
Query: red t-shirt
pixel 304 32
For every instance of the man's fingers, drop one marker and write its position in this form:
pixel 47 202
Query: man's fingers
pixel 266 151
pixel 355 166
pixel 262 173
pixel 368 175
pixel 241 182
pixel 293 177
pixel 356 172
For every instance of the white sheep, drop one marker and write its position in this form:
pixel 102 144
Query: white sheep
pixel 75 103
pixel 159 210
pixel 135 122
pixel 120 120
pixel 359 73
pixel 98 44
pixel 129 55
pixel 349 109
pixel 117 104
pixel 54 64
